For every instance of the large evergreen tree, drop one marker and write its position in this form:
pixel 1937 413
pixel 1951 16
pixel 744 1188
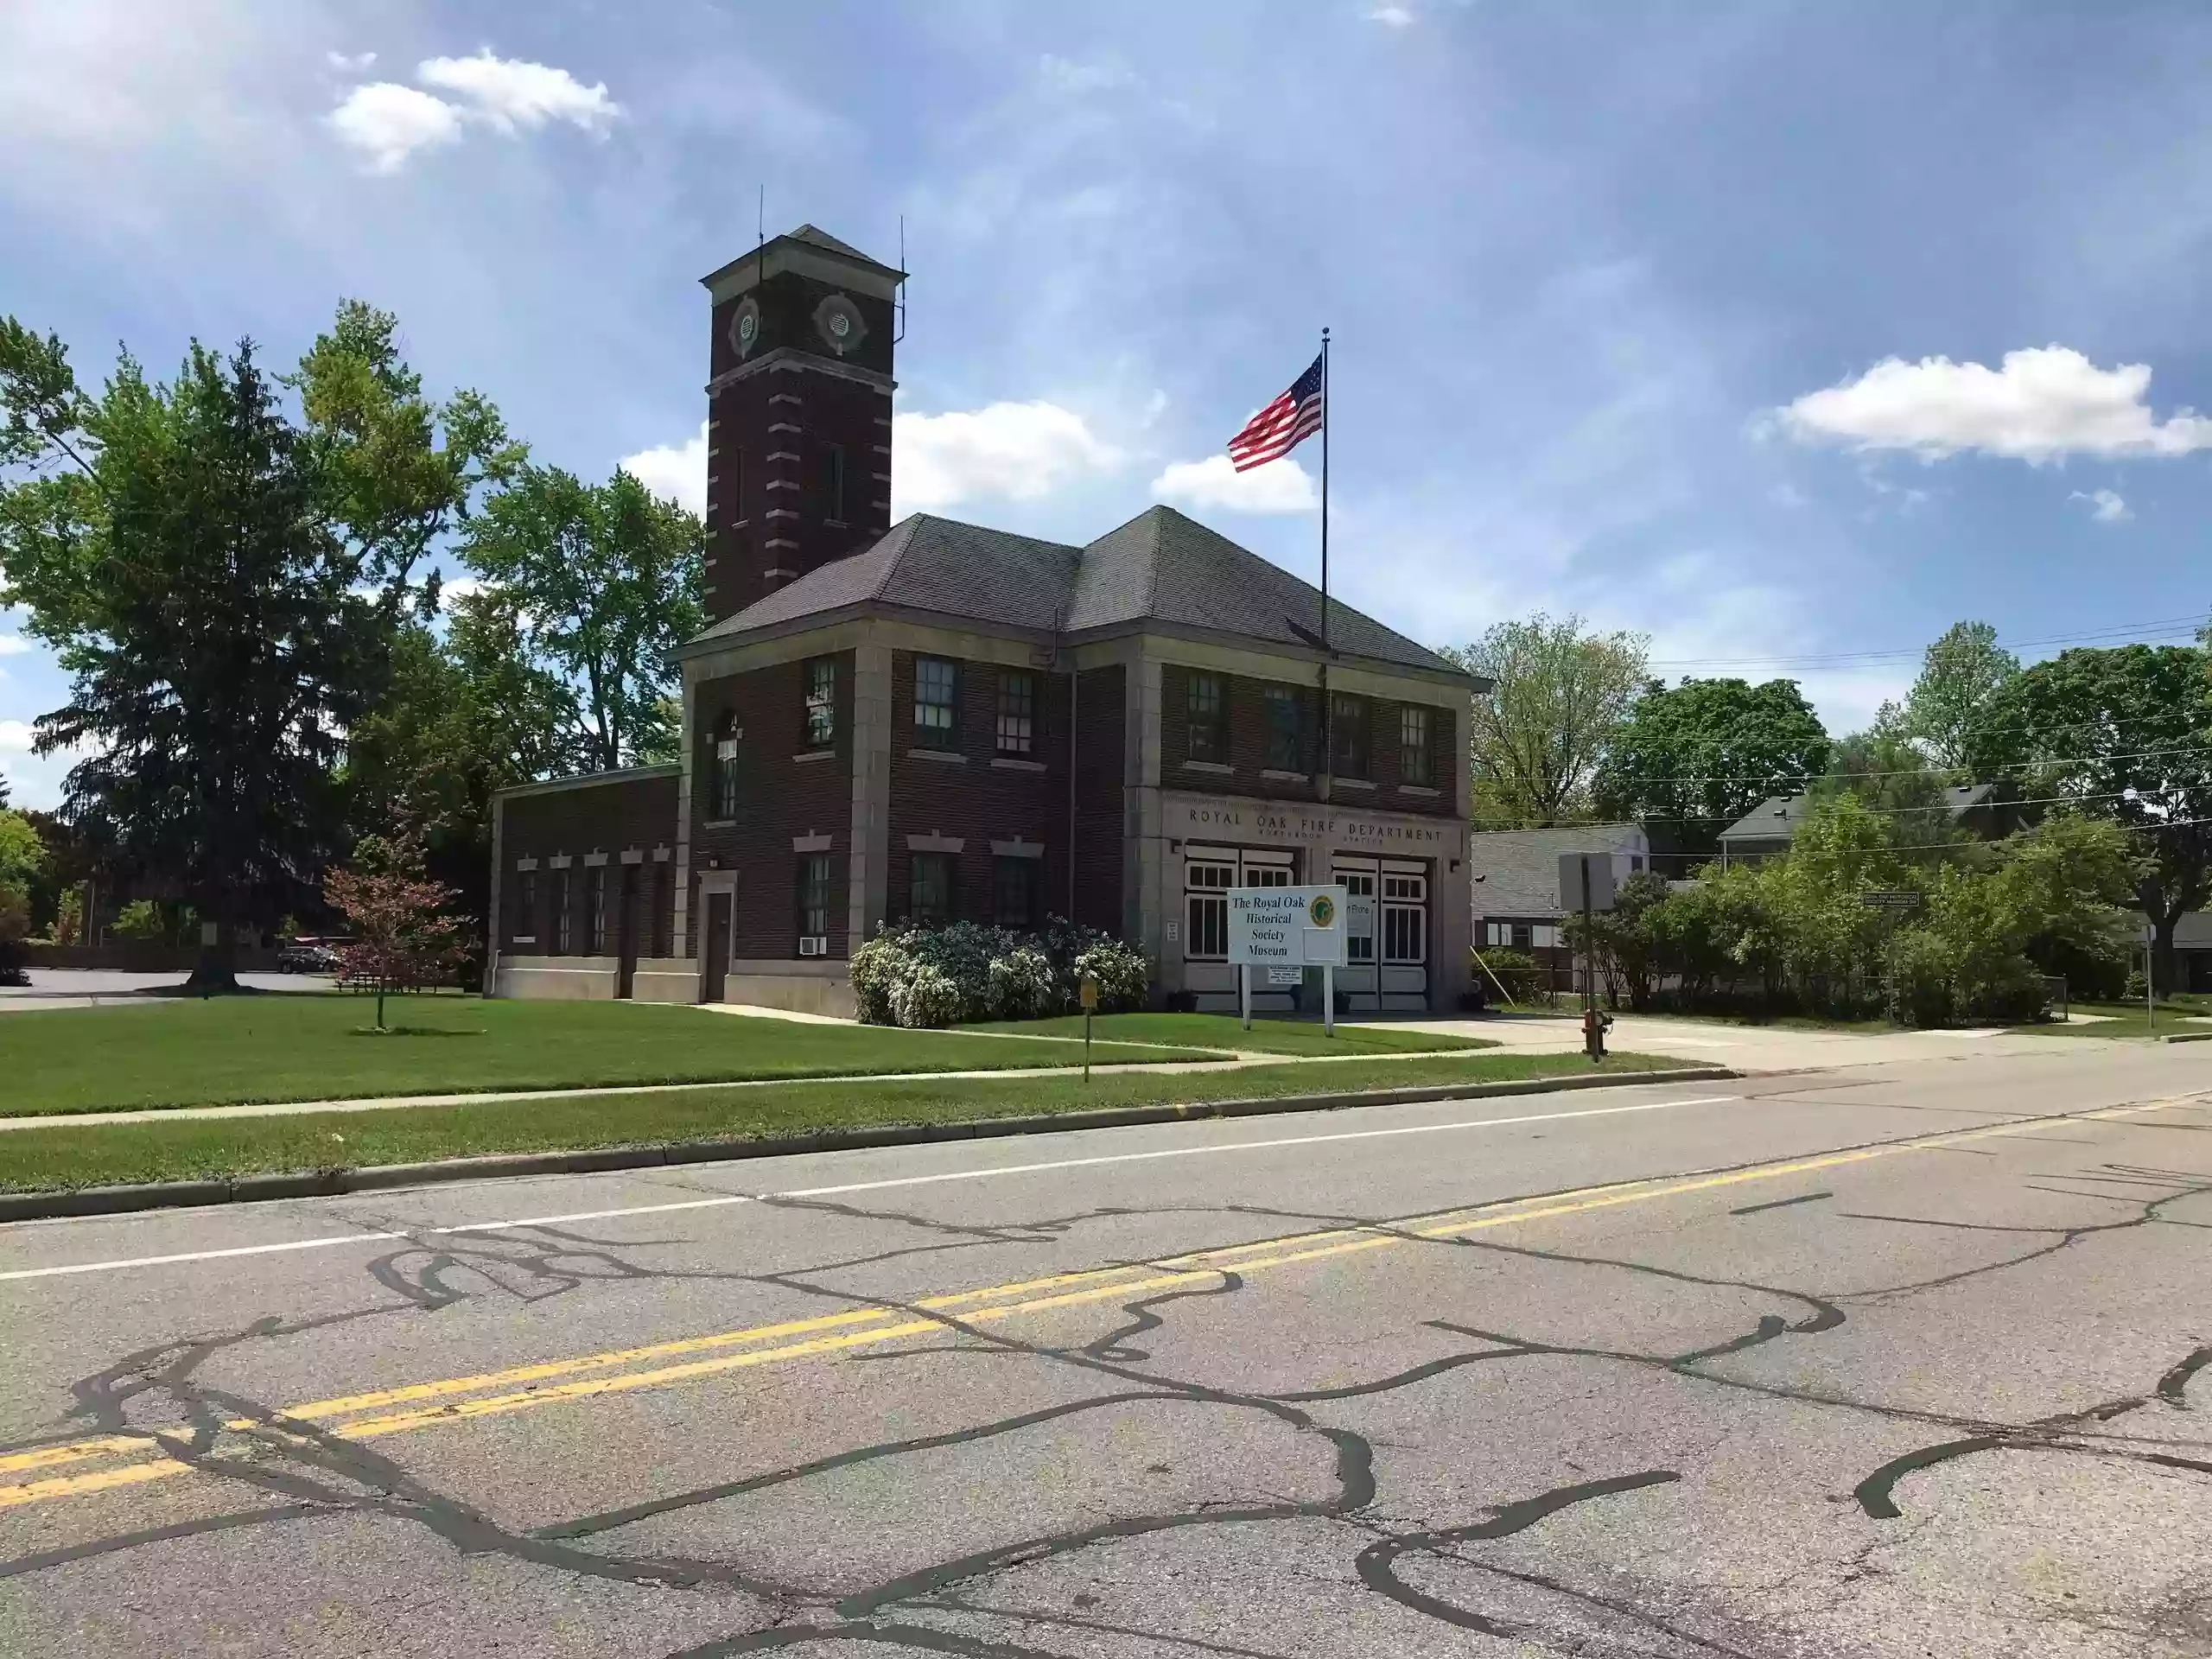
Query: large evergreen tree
pixel 222 582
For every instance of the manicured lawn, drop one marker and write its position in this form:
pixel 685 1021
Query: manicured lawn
pixel 1299 1037
pixel 2126 1020
pixel 302 1046
pixel 189 1150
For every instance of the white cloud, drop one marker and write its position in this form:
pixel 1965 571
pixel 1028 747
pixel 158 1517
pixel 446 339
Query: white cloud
pixel 1021 451
pixel 1786 494
pixel 14 645
pixel 1390 17
pixel 387 122
pixel 2043 403
pixel 673 471
pixel 350 65
pixel 509 92
pixel 2106 507
pixel 1278 487
pixel 16 737
pixel 452 587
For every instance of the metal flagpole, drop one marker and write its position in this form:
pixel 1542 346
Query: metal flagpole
pixel 1328 713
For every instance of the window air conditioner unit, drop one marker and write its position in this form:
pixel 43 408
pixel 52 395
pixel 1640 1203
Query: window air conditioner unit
pixel 816 945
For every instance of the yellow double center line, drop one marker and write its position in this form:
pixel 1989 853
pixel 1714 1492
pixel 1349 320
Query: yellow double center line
pixel 366 1416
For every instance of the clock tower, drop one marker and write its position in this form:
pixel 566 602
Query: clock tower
pixel 798 413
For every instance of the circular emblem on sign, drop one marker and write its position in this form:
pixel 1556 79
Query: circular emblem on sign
pixel 1323 911
pixel 841 325
pixel 745 327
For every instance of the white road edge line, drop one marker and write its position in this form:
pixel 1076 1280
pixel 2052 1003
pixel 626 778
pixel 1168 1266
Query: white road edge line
pixel 336 1239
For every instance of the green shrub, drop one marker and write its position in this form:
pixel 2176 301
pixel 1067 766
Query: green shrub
pixel 1517 970
pixel 962 971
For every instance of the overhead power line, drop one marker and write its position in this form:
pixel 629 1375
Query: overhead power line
pixel 1771 780
pixel 2164 626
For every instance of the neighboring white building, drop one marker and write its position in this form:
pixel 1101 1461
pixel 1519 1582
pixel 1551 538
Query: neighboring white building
pixel 1515 889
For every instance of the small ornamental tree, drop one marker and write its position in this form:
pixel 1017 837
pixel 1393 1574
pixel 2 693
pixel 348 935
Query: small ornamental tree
pixel 404 936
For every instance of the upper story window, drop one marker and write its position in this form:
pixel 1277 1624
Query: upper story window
pixel 1017 732
pixel 525 924
pixel 1286 729
pixel 937 703
pixel 833 483
pixel 723 780
pixel 1348 737
pixel 1413 764
pixel 822 704
pixel 1208 712
pixel 737 486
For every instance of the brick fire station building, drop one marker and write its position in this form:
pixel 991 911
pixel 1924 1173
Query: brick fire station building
pixel 935 720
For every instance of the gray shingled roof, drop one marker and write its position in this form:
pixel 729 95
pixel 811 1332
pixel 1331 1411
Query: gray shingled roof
pixel 1778 818
pixel 1160 566
pixel 1517 871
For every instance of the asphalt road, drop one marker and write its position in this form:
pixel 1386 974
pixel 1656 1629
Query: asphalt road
pixel 1909 1359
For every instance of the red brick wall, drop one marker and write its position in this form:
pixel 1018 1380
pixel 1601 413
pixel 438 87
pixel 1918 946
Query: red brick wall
pixel 971 799
pixel 1247 746
pixel 779 796
pixel 631 813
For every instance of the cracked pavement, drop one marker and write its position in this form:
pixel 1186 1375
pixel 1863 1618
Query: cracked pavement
pixel 1910 1357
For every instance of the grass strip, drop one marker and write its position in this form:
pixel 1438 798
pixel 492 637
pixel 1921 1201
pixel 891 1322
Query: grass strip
pixel 1269 1036
pixel 303 1045
pixel 45 1160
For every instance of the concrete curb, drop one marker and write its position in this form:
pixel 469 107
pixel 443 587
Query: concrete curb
pixel 2187 1037
pixel 332 1183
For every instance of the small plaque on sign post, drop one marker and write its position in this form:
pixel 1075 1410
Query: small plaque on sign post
pixel 1086 993
pixel 1892 899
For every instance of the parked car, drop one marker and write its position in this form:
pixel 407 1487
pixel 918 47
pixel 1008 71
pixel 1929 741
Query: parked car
pixel 307 956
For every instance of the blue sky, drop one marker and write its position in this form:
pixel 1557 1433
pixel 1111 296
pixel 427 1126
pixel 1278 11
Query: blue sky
pixel 1782 334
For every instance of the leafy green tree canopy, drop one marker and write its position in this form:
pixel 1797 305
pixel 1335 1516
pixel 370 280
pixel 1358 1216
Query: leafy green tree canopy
pixel 220 582
pixel 1960 674
pixel 1558 694
pixel 605 581
pixel 1692 758
pixel 2126 734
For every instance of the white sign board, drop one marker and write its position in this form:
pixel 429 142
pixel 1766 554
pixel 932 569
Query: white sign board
pixel 1280 976
pixel 1286 927
pixel 1575 869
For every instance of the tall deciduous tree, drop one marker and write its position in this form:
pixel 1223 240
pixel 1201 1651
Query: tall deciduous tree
pixel 1559 696
pixel 221 581
pixel 2126 734
pixel 605 580
pixel 1959 675
pixel 464 714
pixel 1692 758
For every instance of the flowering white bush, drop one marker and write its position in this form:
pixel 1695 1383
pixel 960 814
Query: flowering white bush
pixel 909 976
pixel 926 996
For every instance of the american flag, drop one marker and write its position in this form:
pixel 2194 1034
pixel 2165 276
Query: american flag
pixel 1282 425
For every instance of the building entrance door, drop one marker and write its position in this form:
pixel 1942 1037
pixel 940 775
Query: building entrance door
pixel 714 959
pixel 625 935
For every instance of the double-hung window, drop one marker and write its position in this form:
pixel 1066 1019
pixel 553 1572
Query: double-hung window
pixel 1207 703
pixel 1348 737
pixel 1286 729
pixel 1413 764
pixel 936 704
pixel 723 786
pixel 929 892
pixel 822 704
pixel 1017 732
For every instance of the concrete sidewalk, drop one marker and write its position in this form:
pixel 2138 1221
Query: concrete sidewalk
pixel 1744 1048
